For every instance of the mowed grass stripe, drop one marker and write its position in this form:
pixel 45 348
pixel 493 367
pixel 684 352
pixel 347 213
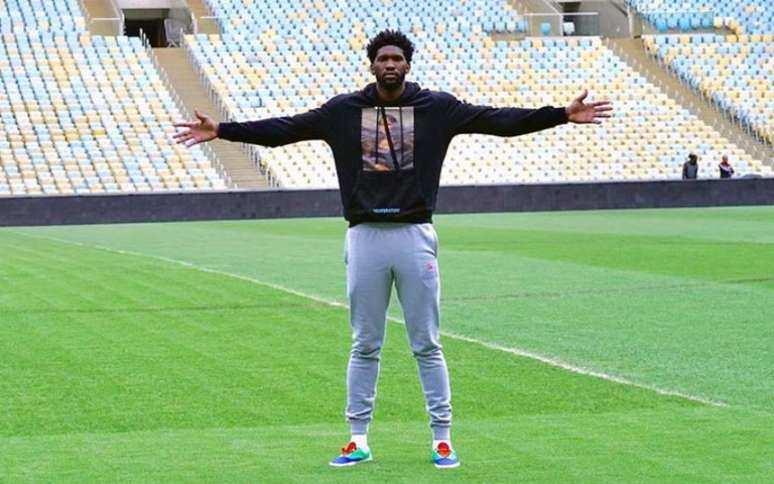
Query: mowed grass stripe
pixel 747 224
pixel 685 256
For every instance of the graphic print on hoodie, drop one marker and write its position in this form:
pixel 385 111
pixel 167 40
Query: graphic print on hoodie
pixel 376 136
pixel 387 184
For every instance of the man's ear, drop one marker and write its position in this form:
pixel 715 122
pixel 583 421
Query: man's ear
pixel 408 68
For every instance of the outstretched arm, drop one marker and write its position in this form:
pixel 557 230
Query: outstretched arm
pixel 311 125
pixel 467 118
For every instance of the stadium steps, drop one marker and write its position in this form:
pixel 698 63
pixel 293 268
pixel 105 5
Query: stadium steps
pixel 98 10
pixel 632 51
pixel 205 22
pixel 194 95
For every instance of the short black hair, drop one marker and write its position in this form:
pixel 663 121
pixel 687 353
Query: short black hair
pixel 693 158
pixel 390 37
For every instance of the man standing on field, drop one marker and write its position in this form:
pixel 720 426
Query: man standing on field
pixel 389 141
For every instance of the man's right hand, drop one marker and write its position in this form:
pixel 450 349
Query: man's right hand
pixel 205 129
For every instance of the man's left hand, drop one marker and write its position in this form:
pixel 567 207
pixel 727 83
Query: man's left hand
pixel 582 113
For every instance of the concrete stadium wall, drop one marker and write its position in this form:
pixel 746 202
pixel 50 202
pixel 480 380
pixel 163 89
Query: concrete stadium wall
pixel 165 207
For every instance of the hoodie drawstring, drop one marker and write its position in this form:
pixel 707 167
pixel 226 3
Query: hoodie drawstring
pixel 389 136
pixel 402 146
pixel 376 142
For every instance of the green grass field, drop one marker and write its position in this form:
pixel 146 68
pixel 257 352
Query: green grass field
pixel 216 351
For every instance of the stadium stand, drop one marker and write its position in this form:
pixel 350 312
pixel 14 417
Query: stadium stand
pixel 736 73
pixel 274 64
pixel 739 16
pixel 85 114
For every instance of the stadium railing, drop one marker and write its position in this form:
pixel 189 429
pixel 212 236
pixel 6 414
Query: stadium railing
pixel 116 23
pixel 202 23
pixel 85 12
pixel 214 160
pixel 216 99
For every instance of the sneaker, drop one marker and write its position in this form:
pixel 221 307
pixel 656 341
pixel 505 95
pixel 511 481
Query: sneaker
pixel 351 455
pixel 444 457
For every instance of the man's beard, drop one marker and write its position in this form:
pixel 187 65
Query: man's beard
pixel 393 84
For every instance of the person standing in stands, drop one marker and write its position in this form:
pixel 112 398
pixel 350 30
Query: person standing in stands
pixel 726 170
pixel 389 141
pixel 691 167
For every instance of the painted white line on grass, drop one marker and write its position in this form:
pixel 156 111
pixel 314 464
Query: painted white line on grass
pixel 492 346
pixel 585 371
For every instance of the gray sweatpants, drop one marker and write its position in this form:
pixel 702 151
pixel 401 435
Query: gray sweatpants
pixel 378 254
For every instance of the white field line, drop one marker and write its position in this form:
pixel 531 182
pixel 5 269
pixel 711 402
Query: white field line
pixel 551 361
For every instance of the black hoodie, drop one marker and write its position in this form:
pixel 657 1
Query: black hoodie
pixel 389 155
